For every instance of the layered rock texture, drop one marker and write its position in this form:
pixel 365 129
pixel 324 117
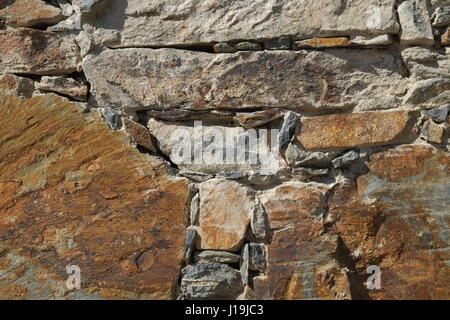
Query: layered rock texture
pixel 264 149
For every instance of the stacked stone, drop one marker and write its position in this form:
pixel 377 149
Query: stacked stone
pixel 349 106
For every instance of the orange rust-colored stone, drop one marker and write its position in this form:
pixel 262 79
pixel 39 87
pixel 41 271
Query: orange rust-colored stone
pixel 30 13
pixel 396 217
pixel 318 43
pixel 74 192
pixel 356 129
pixel 140 135
pixel 445 38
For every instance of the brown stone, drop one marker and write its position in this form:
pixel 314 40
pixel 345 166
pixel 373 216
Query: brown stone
pixel 396 217
pixel 318 43
pixel 356 129
pixel 434 132
pixel 301 258
pixel 19 86
pixel 30 13
pixel 259 118
pixel 73 192
pixel 37 52
pixel 65 86
pixel 140 135
pixel 225 212
pixel 445 38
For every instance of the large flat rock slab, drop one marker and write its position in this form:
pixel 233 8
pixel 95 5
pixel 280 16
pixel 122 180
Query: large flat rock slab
pixel 299 80
pixel 73 192
pixel 191 22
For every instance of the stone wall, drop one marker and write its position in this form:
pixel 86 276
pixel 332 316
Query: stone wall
pixel 256 149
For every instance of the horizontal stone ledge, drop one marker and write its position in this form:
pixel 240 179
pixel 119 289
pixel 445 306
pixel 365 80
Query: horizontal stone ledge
pixel 364 129
pixel 162 79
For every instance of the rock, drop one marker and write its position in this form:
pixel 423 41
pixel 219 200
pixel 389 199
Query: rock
pixel 434 133
pixel 175 115
pixel 189 243
pixel 30 13
pixel 247 46
pixel 297 250
pixel 415 23
pixel 439 114
pixel 224 48
pixel 139 134
pixel 158 23
pixel 429 93
pixel 22 87
pixel 112 117
pixel 354 130
pixel 445 38
pixel 65 86
pixel 172 79
pixel 396 216
pixel 232 175
pixel 259 224
pixel 372 41
pixel 37 52
pixel 84 203
pixel 245 264
pixel 441 17
pixel 306 174
pixel 196 176
pixel 259 118
pixel 209 256
pixel 257 256
pixel 226 208
pixel 297 156
pixel 195 210
pixel 346 159
pixel 318 43
pixel 288 130
pixel 210 281
pixel 425 63
pixel 87 5
pixel 282 43
pixel 198 147
pixel 66 7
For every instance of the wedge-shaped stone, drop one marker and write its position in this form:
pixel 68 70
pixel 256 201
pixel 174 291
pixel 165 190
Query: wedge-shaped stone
pixel 226 208
pixel 356 129
pixel 192 22
pixel 37 52
pixel 415 22
pixel 30 13
pixel 73 192
pixel 170 78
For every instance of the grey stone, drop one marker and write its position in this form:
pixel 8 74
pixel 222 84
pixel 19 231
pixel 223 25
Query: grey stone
pixel 288 130
pixel 223 48
pixel 372 41
pixel 439 114
pixel 305 174
pixel 346 159
pixel 195 210
pixel 87 5
pixel 210 256
pixel 426 63
pixel 429 93
pixel 441 17
pixel 210 280
pixel 259 222
pixel 163 23
pixel 248 46
pixel 296 156
pixel 112 117
pixel 65 86
pixel 20 86
pixel 189 243
pixel 245 264
pixel 196 176
pixel 257 255
pixel 415 23
pixel 262 180
pixel 232 175
pixel 282 43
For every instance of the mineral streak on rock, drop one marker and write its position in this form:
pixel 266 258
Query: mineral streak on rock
pixel 75 192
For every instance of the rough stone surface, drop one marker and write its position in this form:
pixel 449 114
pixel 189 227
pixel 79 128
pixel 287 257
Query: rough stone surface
pixel 345 159
pixel 210 280
pixel 180 22
pixel 140 135
pixel 37 52
pixel 226 208
pixel 415 23
pixel 75 193
pixel 426 63
pixel 400 209
pixel 64 86
pixel 372 41
pixel 439 114
pixel 445 38
pixel 30 13
pixel 257 256
pixel 353 130
pixel 441 17
pixel 429 93
pixel 22 87
pixel 168 78
pixel 318 43
pixel 258 119
pixel 216 256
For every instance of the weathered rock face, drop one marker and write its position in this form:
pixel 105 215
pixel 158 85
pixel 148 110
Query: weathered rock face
pixel 29 13
pixel 176 22
pixel 303 80
pixel 401 211
pixel 37 52
pixel 72 192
